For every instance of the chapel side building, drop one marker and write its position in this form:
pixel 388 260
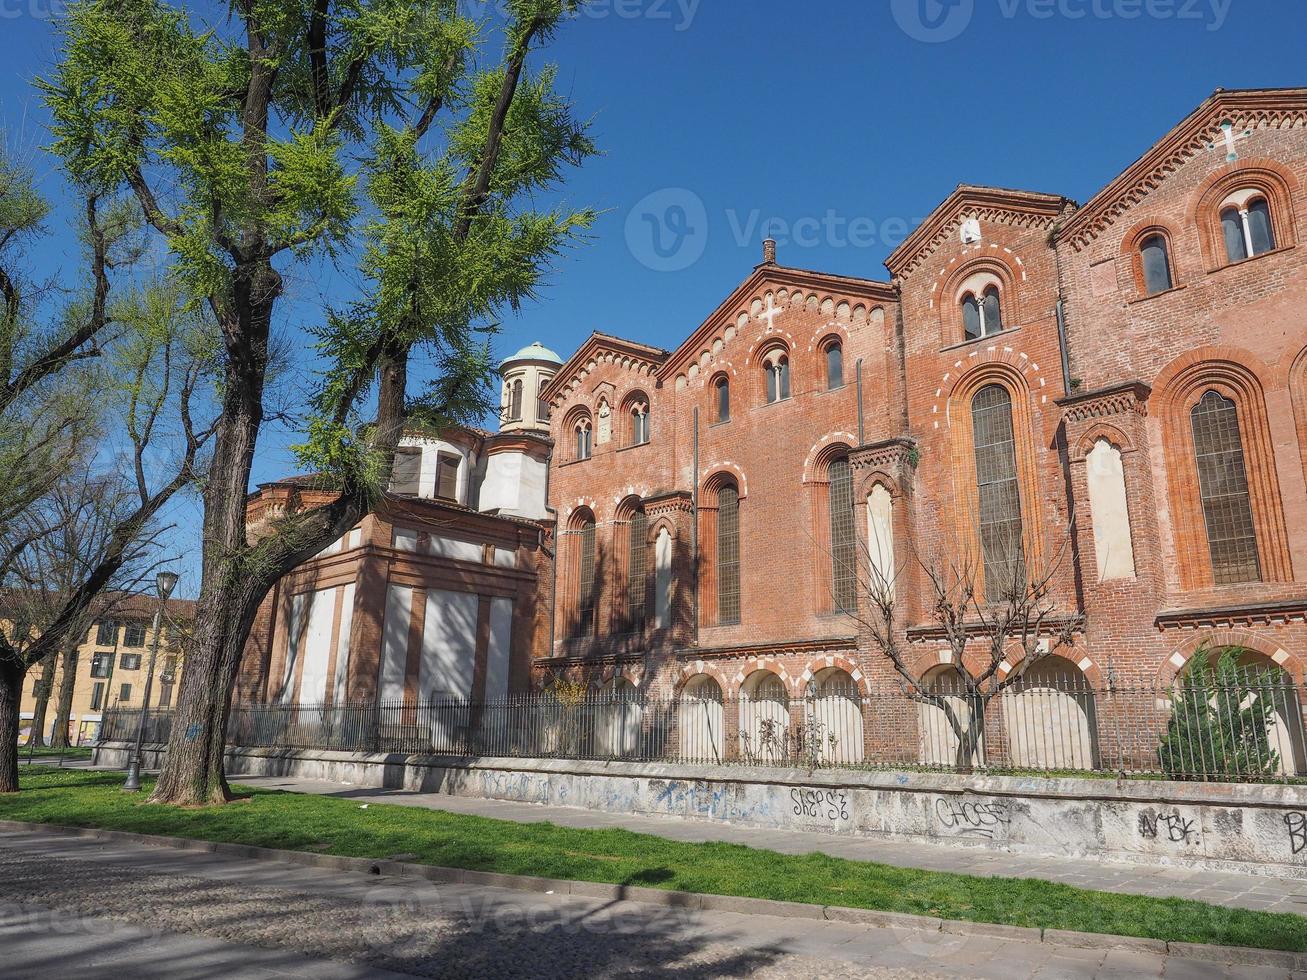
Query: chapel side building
pixel 1123 382
pixel 442 593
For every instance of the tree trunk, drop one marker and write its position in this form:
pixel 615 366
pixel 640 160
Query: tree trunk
pixel 63 711
pixel 44 685
pixel 12 672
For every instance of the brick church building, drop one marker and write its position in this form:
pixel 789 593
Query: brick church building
pixel 1121 384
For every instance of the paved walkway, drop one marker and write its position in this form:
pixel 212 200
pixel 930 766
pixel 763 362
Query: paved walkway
pixel 73 906
pixel 1219 888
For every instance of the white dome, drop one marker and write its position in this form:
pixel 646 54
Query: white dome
pixel 532 352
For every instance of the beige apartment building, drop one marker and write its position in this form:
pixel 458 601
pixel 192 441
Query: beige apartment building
pixel 112 662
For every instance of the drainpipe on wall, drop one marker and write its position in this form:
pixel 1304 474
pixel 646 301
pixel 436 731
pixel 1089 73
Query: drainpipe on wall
pixel 862 428
pixel 553 564
pixel 1061 346
pixel 694 530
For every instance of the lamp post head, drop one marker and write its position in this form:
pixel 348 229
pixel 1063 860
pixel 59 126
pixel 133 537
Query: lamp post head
pixel 166 582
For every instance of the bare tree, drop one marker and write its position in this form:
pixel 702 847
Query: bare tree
pixel 993 608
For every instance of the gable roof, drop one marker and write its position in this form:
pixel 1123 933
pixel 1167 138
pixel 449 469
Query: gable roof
pixel 1197 132
pixel 643 357
pixel 780 275
pixel 1021 208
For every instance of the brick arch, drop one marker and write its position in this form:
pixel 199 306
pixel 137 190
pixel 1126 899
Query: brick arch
pixel 1297 380
pixel 658 523
pixel 816 665
pixel 928 659
pixel 833 330
pixel 1236 374
pixel 1274 180
pixel 867 482
pixel 693 670
pixel 826 449
pixel 581 503
pixel 995 263
pixel 1135 236
pixel 711 481
pixel 1116 436
pixel 1078 658
pixel 628 672
pixel 770 665
pixel 1003 368
pixel 628 503
pixel 1291 663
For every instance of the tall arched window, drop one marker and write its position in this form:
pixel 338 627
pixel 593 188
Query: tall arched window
pixel 843 541
pixel 728 555
pixel 1155 263
pixel 983 315
pixel 583 439
pixel 515 401
pixel 723 389
pixel 636 575
pixel 1223 490
pixel 998 491
pixel 586 592
pixel 777 366
pixel 834 365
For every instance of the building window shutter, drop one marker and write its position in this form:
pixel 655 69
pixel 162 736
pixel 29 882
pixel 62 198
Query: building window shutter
pixel 998 491
pixel 407 471
pixel 728 556
pixel 1223 490
pixel 447 477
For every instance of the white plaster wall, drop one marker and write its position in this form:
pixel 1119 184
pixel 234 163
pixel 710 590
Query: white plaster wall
pixel 1113 547
pixel 449 640
pixel 663 580
pixel 880 537
pixel 294 647
pixel 514 484
pixel 501 645
pixel 431 448
pixel 340 683
pixel 317 647
pixel 394 642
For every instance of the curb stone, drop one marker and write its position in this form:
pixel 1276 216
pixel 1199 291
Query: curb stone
pixel 1243 955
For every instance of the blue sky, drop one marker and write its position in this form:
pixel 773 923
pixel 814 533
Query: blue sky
pixel 839 124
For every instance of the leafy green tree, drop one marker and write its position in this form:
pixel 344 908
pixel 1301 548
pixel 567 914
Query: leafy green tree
pixel 1221 720
pixel 382 138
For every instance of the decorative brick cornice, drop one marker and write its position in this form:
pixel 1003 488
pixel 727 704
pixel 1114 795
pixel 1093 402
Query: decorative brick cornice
pixel 1200 132
pixel 1128 398
pixel 1053 624
pixel 772 649
pixel 668 502
pixel 601 348
pixel 1016 209
pixel 886 454
pixel 1241 614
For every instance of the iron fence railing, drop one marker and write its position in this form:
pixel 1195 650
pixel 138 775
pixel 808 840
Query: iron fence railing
pixel 1249 728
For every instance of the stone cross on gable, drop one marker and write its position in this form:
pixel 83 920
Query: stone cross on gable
pixel 771 313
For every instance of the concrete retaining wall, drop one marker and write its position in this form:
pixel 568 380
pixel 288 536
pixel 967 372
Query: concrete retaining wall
pixel 1259 829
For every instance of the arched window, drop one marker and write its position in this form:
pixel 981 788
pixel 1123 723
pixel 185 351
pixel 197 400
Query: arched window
pixel 1247 228
pixel 777 366
pixel 1155 264
pixel 636 576
pixel 998 491
pixel 1223 491
pixel 586 585
pixel 982 316
pixel 723 389
pixel 728 555
pixel 834 365
pixel 639 423
pixel 515 401
pixel 583 439
pixel 843 542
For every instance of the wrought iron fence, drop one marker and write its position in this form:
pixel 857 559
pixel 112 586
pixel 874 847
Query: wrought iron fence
pixel 1245 727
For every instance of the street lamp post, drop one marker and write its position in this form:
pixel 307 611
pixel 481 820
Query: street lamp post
pixel 165 582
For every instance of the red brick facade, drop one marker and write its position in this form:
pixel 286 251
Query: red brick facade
pixel 1085 358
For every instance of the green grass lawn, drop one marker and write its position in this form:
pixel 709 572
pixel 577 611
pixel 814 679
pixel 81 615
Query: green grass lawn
pixel 45 752
pixel 341 826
